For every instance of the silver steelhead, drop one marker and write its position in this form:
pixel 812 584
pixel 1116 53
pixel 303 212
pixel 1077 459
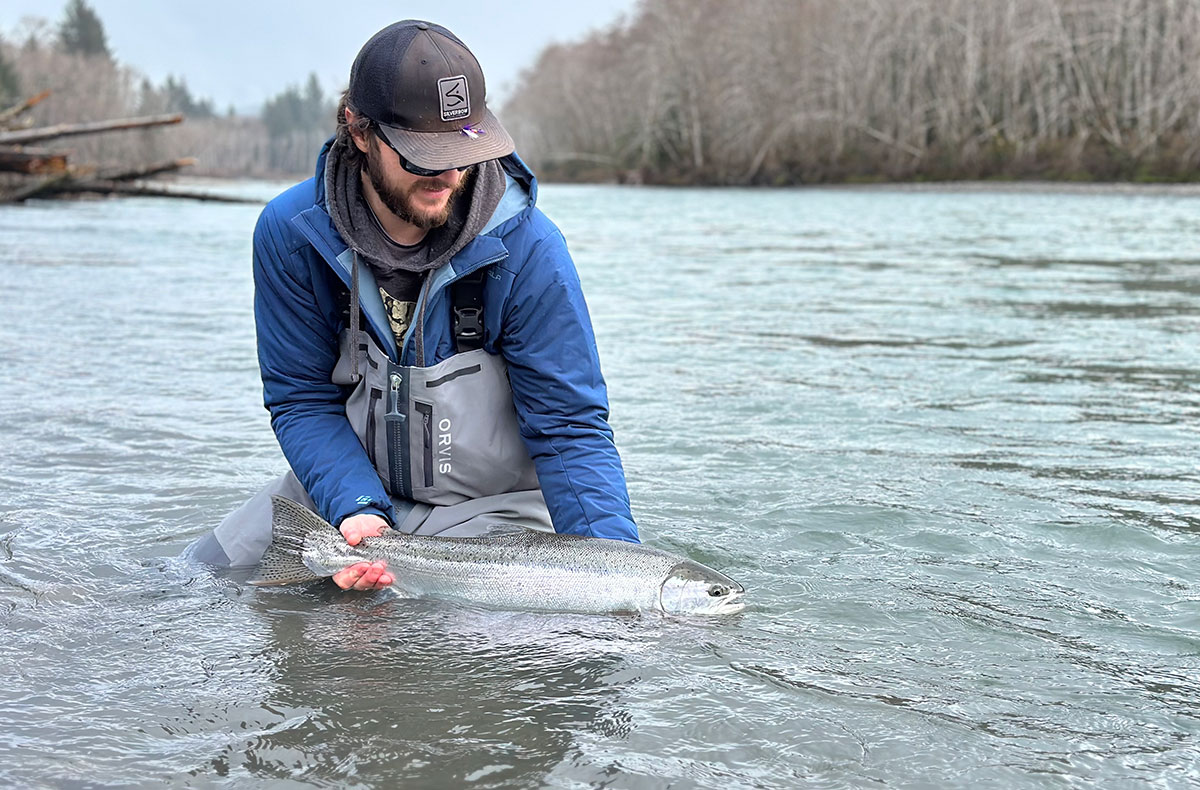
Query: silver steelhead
pixel 508 568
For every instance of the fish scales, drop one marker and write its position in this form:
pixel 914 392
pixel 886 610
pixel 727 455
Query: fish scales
pixel 522 570
pixel 509 568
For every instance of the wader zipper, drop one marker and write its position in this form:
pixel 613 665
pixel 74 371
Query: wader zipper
pixel 426 411
pixel 398 466
pixel 376 396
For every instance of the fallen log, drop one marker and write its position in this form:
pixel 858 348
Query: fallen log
pixel 41 186
pixel 71 129
pixel 7 116
pixel 124 188
pixel 146 171
pixel 32 161
pixel 78 183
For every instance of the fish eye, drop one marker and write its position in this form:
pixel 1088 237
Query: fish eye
pixel 717 590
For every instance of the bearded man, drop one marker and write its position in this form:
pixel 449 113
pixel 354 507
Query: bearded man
pixel 426 353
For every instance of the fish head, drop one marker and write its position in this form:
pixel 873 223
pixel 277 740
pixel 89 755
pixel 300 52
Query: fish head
pixel 691 588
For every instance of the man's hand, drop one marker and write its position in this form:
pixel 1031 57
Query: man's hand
pixel 363 575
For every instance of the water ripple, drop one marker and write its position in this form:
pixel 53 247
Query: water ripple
pixel 947 439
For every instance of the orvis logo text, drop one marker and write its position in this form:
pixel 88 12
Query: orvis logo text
pixel 443 446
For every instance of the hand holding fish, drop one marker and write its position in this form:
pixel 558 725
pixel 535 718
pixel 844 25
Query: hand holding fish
pixel 363 575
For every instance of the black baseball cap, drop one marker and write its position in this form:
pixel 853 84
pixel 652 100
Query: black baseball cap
pixel 425 91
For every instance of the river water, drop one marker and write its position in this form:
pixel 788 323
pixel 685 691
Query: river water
pixel 948 440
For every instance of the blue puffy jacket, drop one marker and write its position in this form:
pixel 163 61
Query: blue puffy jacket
pixel 534 315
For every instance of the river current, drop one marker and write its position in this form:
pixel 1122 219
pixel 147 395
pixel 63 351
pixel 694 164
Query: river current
pixel 948 440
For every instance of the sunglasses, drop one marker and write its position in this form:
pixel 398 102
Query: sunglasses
pixel 408 166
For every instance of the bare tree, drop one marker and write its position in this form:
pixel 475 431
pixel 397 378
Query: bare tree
pixel 780 91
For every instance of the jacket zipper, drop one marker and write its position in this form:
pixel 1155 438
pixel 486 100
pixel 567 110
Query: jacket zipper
pixel 421 321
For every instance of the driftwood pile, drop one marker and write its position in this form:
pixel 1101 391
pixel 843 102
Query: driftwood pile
pixel 32 172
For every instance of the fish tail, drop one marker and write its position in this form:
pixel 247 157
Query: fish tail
pixel 291 526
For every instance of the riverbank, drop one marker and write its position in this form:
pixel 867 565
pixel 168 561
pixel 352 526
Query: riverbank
pixel 263 189
pixel 1191 189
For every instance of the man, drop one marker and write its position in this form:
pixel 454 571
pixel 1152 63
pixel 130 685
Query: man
pixel 426 353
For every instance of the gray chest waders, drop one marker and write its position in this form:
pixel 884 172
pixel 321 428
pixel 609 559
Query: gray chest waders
pixel 441 434
pixel 444 440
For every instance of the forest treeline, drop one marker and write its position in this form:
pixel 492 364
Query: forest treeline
pixel 748 92
pixel 72 60
pixel 794 91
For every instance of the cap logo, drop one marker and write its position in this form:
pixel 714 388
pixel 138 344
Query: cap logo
pixel 456 101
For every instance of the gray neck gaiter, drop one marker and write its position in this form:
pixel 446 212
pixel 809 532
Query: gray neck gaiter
pixel 353 219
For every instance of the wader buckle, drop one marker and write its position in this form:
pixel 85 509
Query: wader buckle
pixel 467 299
pixel 467 324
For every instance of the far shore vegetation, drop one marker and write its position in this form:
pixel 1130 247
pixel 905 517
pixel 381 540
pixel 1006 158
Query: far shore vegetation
pixel 800 91
pixel 71 59
pixel 755 92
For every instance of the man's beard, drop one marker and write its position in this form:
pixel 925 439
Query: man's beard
pixel 399 201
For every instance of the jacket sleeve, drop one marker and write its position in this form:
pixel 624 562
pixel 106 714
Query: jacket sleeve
pixel 297 351
pixel 561 399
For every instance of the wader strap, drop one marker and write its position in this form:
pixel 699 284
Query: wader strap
pixel 355 321
pixel 468 311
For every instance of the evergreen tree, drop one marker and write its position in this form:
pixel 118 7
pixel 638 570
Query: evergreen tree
pixel 10 85
pixel 82 32
pixel 297 121
pixel 148 101
pixel 180 99
pixel 314 103
pixel 281 113
pixel 294 110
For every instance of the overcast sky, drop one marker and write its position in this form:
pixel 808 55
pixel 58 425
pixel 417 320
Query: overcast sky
pixel 242 52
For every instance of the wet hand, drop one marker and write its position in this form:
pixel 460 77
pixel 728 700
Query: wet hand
pixel 364 525
pixel 363 575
